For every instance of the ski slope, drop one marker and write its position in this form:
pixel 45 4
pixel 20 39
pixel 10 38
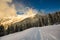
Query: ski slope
pixel 37 33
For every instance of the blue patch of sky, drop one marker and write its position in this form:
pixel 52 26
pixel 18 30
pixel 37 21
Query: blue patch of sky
pixel 45 5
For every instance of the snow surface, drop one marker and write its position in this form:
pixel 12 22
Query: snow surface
pixel 36 33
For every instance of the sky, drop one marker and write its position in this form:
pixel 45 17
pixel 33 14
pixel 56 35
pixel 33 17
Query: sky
pixel 14 7
pixel 40 5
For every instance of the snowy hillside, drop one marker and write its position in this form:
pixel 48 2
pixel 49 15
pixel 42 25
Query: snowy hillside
pixel 30 19
pixel 36 33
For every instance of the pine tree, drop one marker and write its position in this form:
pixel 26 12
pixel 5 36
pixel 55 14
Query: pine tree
pixel 50 19
pixel 16 29
pixel 1 30
pixel 40 22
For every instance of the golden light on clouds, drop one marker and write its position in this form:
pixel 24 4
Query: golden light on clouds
pixel 9 12
pixel 6 10
pixel 31 13
pixel 11 20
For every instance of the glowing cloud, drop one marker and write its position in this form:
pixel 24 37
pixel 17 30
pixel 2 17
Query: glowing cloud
pixel 6 10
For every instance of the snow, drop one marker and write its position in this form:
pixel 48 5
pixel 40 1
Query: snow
pixel 37 33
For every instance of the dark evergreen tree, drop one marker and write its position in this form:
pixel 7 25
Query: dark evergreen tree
pixel 43 21
pixel 50 19
pixel 16 29
pixel 1 30
pixel 40 22
pixel 57 17
pixel 46 21
pixel 10 29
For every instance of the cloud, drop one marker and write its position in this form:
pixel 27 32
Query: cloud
pixel 6 10
pixel 10 7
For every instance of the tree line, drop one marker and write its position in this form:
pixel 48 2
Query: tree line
pixel 37 21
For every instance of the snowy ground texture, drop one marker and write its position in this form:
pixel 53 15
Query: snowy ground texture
pixel 36 33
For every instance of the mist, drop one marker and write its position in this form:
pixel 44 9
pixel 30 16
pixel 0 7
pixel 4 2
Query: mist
pixel 6 10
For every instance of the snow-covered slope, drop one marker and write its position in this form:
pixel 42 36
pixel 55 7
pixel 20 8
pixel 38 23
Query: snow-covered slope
pixel 36 33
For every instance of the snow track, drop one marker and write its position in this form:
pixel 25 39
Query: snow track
pixel 36 33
